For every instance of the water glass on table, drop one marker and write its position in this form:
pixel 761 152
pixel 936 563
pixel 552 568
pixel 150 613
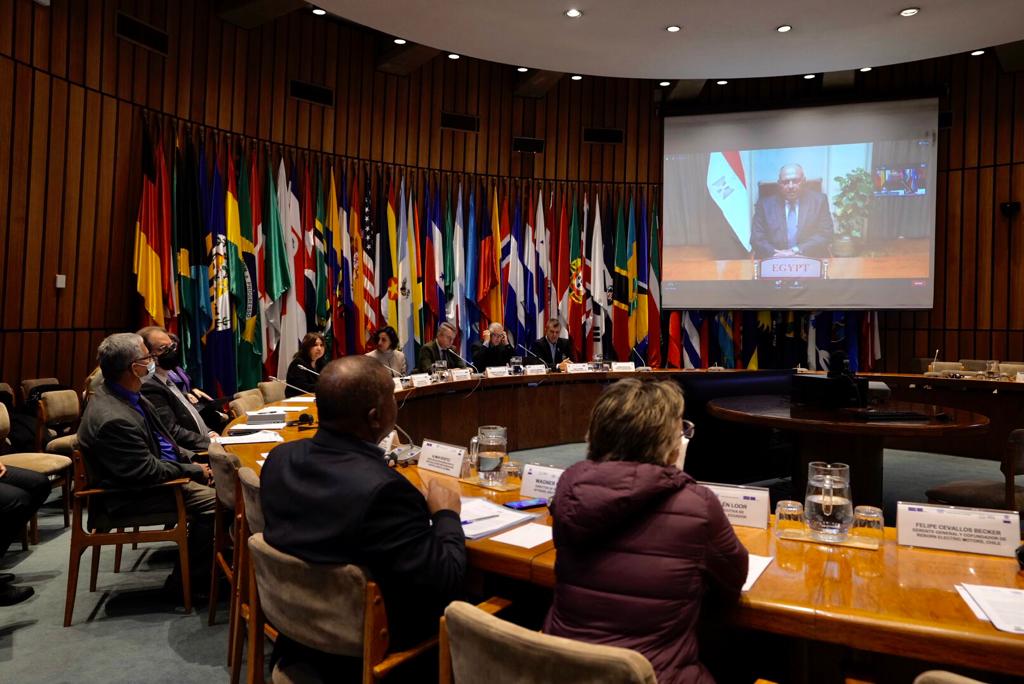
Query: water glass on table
pixel 868 524
pixel 789 519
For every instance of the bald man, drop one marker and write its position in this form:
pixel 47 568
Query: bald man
pixel 796 221
pixel 333 499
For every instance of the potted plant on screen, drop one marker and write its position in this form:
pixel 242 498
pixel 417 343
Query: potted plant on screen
pixel 852 204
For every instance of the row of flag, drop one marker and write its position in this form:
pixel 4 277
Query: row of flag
pixel 242 257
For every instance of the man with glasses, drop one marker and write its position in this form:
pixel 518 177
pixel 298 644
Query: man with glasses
pixel 172 407
pixel 127 446
pixel 796 221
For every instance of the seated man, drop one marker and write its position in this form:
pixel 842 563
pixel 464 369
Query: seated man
pixel 795 222
pixel 552 349
pixel 127 446
pixel 440 349
pixel 333 499
pixel 172 407
pixel 22 492
pixel 493 348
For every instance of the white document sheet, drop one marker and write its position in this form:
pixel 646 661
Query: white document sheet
pixel 260 426
pixel 271 410
pixel 300 400
pixel 1003 606
pixel 755 567
pixel 526 536
pixel 481 518
pixel 252 438
pixel 971 603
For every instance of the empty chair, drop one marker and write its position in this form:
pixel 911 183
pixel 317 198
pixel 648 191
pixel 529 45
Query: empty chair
pixel 245 403
pixel 60 412
pixel 254 393
pixel 1011 368
pixel 272 391
pixel 476 646
pixel 976 365
pixel 1005 495
pixel 940 366
pixel 28 385
pixel 943 677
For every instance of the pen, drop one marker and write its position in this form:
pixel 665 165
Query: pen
pixel 486 517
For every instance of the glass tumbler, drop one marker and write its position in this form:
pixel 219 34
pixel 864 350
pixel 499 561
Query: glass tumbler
pixel 789 519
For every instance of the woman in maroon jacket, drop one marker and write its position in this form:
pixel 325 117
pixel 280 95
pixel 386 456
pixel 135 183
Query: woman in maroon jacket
pixel 638 540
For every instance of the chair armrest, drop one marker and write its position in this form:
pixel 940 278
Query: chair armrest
pixel 494 605
pixel 95 491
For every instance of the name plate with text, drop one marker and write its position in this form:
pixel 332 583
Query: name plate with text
pixel 496 372
pixel 623 366
pixel 442 458
pixel 577 368
pixel 790 267
pixel 1020 376
pixel 955 528
pixel 398 384
pixel 420 379
pixel 535 369
pixel 539 481
pixel 744 506
pixel 461 374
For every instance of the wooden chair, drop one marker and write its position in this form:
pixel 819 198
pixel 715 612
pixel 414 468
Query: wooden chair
pixel 245 403
pixel 976 365
pixel 225 525
pixel 59 412
pixel 272 391
pixel 473 641
pixel 102 521
pixel 1005 495
pixel 943 677
pixel 1011 368
pixel 28 385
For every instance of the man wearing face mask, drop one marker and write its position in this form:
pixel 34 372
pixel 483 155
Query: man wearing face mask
pixel 127 445
pixel 172 407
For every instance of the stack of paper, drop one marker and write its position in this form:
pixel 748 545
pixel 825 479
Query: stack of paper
pixel 252 438
pixel 300 400
pixel 481 517
pixel 1003 606
pixel 755 566
pixel 526 536
pixel 273 410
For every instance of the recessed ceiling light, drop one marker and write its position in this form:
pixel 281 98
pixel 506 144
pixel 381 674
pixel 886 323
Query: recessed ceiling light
pixel 808 76
pixel 399 41
pixel 664 84
pixel 785 28
pixel 573 13
pixel 522 70
pixel 577 77
pixel 909 12
pixel 722 82
pixel 865 69
pixel 452 55
pixel 977 53
pixel 673 28
pixel 319 12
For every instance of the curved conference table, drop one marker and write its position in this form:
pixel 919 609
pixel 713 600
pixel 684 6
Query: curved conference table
pixel 897 600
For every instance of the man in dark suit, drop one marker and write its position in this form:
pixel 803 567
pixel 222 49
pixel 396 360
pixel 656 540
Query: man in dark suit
pixel 552 349
pixel 333 499
pixel 22 492
pixel 172 407
pixel 127 446
pixel 440 349
pixel 493 349
pixel 795 222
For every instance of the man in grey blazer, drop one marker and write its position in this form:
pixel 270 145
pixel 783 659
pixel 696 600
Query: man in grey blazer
pixel 795 222
pixel 440 349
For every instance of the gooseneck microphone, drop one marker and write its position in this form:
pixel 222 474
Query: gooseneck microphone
pixel 275 379
pixel 523 347
pixel 309 370
pixel 452 350
pixel 393 371
pixel 643 364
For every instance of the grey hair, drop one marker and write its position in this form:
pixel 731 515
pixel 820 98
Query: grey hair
pixel 117 353
pixel 495 326
pixel 445 324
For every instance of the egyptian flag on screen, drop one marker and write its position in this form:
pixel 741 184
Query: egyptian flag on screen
pixel 727 185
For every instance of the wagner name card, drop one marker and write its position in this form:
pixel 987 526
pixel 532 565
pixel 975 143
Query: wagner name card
pixel 539 481
pixel 744 506
pixel 442 458
pixel 536 369
pixel 420 379
pixel 623 366
pixel 461 374
pixel 577 368
pixel 496 372
pixel 953 528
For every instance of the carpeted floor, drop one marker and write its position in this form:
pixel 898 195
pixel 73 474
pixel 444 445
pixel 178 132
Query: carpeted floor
pixel 129 632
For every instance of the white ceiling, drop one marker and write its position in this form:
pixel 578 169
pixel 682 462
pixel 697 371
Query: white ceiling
pixel 720 38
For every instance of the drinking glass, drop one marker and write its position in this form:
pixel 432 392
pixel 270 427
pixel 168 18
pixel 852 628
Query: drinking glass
pixel 789 519
pixel 439 371
pixel 828 507
pixel 597 364
pixel 490 450
pixel 868 523
pixel 515 365
pixel 511 472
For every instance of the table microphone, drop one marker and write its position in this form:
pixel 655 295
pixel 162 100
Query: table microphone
pixel 523 347
pixel 309 370
pixel 643 364
pixel 304 391
pixel 452 350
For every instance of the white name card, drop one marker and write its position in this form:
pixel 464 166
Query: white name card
pixel 496 372
pixel 952 528
pixel 442 458
pixel 744 506
pixel 577 368
pixel 420 379
pixel 1020 376
pixel 623 366
pixel 539 481
pixel 536 369
pixel 461 374
pixel 791 267
pixel 398 384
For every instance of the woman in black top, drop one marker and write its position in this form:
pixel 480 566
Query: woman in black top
pixel 313 355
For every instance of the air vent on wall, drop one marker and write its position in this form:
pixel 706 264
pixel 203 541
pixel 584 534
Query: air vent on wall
pixel 310 92
pixel 141 33
pixel 460 122
pixel 529 145
pixel 606 136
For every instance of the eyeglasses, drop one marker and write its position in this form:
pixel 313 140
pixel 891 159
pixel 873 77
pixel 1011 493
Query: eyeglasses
pixel 689 429
pixel 142 360
pixel 165 349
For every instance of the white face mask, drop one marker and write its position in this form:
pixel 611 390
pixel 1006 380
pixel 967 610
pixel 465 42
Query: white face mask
pixel 683 442
pixel 150 370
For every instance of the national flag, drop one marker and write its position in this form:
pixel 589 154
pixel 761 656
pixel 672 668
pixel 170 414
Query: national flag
pixel 575 291
pixel 515 287
pixel 674 357
pixel 322 299
pixel 458 312
pixel 726 345
pixel 727 185
pixel 338 268
pixel 543 272
pixel 304 190
pixel 529 252
pixel 642 256
pixel 405 278
pixel 293 315
pixel 219 361
pixel 631 278
pixel 693 322
pixel 152 259
pixel 621 288
pixel 370 247
pixel 247 310
pixel 563 272
pixel 487 279
pixel 749 339
pixel 277 278
pixel 434 296
pixel 472 331
pixel 190 259
pixel 853 339
pixel 415 269
pixel 871 349
pixel 599 281
pixel 654 294
pixel 819 339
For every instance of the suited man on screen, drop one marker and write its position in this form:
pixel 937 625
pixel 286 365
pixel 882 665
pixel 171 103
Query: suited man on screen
pixel 795 222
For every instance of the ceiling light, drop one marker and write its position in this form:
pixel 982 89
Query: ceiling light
pixel 452 55
pixel 573 13
pixel 977 53
pixel 865 69
pixel 399 41
pixel 664 84
pixel 673 28
pixel 909 12
pixel 722 82
pixel 808 77
pixel 522 70
pixel 785 28
pixel 319 12
pixel 577 77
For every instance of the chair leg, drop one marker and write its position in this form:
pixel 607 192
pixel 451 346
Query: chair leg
pixel 256 637
pixel 95 568
pixel 65 498
pixel 236 637
pixel 135 545
pixel 33 525
pixel 233 601
pixel 117 553
pixel 218 541
pixel 73 562
pixel 186 579
pixel 25 537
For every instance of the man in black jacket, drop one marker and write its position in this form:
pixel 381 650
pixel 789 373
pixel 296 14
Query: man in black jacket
pixel 333 499
pixel 493 348
pixel 440 349
pixel 552 349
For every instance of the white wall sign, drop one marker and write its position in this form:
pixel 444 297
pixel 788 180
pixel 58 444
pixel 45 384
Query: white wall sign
pixel 442 458
pixel 745 506
pixel 539 481
pixel 953 528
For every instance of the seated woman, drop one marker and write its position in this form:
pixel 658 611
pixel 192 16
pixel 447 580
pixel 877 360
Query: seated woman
pixel 387 351
pixel 312 356
pixel 638 540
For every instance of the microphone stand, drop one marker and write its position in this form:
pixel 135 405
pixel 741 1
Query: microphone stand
pixel 643 364
pixel 523 347
pixel 276 379
pixel 452 350
pixel 309 370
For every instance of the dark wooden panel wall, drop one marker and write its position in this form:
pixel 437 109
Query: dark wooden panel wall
pixel 72 96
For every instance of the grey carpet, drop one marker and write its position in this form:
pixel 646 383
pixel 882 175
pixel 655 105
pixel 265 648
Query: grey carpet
pixel 127 632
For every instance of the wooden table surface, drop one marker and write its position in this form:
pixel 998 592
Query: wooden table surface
pixel 897 600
